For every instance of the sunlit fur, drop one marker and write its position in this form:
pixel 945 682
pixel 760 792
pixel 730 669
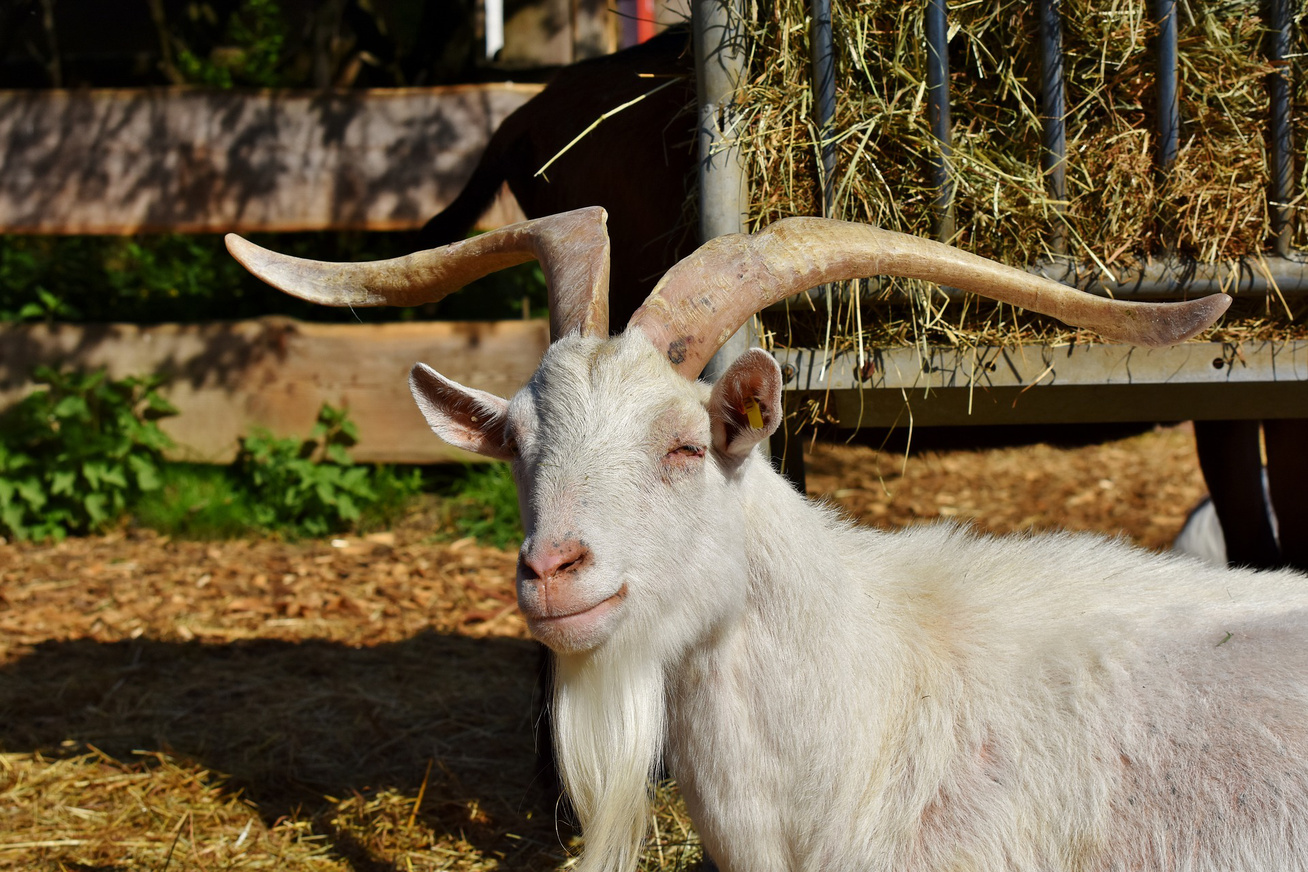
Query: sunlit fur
pixel 839 698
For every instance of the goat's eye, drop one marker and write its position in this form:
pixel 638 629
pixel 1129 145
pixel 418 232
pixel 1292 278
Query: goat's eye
pixel 682 459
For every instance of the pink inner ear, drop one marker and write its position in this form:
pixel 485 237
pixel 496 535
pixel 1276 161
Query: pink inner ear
pixel 466 418
pixel 756 377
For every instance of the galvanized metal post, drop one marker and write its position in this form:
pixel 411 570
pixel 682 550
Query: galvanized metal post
pixel 937 34
pixel 1168 119
pixel 1282 146
pixel 1054 111
pixel 1169 110
pixel 788 456
pixel 723 197
pixel 824 98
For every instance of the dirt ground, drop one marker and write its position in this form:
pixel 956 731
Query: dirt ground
pixel 366 704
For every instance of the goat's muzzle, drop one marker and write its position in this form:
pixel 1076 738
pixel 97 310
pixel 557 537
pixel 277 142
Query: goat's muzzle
pixel 558 596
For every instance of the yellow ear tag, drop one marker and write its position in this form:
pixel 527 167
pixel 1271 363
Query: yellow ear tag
pixel 754 414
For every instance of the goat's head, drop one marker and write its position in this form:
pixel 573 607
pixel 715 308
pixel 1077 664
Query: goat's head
pixel 614 442
pixel 617 458
pixel 627 466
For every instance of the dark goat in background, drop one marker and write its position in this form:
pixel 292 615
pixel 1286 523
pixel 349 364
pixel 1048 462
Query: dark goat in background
pixel 638 163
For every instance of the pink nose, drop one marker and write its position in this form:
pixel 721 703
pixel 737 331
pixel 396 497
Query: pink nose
pixel 554 560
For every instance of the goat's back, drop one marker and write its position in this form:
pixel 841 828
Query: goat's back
pixel 1109 708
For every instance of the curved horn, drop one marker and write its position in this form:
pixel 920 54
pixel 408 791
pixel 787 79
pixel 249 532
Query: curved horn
pixel 572 247
pixel 706 297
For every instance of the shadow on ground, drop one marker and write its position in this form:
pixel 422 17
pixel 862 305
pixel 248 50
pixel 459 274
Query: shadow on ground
pixel 293 722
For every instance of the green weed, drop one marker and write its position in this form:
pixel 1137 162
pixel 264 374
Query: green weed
pixel 80 453
pixel 310 486
pixel 482 502
pixel 251 49
pixel 196 501
pixel 74 455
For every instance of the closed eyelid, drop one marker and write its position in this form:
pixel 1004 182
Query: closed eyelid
pixel 675 428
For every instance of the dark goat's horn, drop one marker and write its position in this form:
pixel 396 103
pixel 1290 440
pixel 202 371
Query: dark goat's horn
pixel 708 296
pixel 573 250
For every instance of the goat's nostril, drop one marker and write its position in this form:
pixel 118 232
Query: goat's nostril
pixel 555 559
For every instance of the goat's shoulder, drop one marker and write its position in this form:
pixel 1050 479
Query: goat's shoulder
pixel 1049 581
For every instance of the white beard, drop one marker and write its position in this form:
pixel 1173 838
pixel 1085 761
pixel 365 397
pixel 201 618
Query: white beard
pixel 609 727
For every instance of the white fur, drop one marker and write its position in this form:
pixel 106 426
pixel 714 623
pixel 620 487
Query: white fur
pixel 839 698
pixel 1202 536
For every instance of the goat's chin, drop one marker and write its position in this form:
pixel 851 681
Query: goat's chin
pixel 581 630
pixel 609 727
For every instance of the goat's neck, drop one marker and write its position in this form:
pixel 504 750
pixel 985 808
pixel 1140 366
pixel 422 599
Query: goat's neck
pixel 752 682
pixel 799 576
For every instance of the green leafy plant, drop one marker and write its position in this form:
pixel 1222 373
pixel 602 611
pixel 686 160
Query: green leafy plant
pixel 484 504
pixel 249 52
pixel 74 455
pixel 311 486
pixel 46 307
pixel 196 501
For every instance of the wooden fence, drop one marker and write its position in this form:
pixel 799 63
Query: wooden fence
pixel 195 161
pixel 113 162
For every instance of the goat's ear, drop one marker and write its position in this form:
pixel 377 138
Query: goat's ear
pixel 464 417
pixel 745 406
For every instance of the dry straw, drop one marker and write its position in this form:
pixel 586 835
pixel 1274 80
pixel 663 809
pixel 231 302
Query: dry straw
pixel 1211 206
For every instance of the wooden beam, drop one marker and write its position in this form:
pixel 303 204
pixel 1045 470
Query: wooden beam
pixel 227 378
pixel 191 161
pixel 1039 384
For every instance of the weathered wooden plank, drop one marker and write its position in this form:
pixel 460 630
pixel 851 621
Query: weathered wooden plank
pixel 275 373
pixel 122 161
pixel 1038 384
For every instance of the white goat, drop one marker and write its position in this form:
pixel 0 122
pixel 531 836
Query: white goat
pixel 840 698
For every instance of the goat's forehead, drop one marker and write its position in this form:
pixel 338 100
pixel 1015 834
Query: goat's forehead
pixel 624 377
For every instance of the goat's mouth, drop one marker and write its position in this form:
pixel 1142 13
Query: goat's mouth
pixel 577 629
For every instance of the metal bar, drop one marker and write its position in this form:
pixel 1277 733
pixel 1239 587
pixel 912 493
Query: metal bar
pixel 988 367
pixel 824 98
pixel 1282 146
pixel 723 194
pixel 937 33
pixel 1172 279
pixel 1054 155
pixel 1169 110
pixel 789 460
pixel 1040 384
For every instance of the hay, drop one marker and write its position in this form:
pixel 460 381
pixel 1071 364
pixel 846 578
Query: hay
pixel 91 811
pixel 1211 206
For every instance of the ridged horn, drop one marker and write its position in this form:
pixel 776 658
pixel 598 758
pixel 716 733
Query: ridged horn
pixel 710 294
pixel 572 247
